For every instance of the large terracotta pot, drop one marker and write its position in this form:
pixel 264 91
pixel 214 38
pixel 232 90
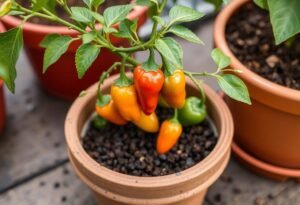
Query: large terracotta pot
pixel 2 99
pixel 61 79
pixel 112 188
pixel 267 133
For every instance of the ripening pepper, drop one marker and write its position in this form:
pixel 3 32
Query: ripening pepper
pixel 148 85
pixel 173 90
pixel 125 100
pixel 5 8
pixel 193 112
pixel 169 134
pixel 109 111
pixel 148 123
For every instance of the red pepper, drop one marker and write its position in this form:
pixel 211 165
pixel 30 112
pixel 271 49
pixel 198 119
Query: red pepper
pixel 148 84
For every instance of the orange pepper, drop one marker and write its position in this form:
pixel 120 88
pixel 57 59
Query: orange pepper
pixel 126 102
pixel 173 90
pixel 169 133
pixel 110 113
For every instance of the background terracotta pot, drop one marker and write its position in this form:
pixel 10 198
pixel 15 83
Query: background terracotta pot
pixel 112 188
pixel 2 99
pixel 61 79
pixel 269 129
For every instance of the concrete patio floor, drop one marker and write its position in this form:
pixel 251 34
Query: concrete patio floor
pixel 34 165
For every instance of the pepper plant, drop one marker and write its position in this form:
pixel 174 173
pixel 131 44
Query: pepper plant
pixel 131 99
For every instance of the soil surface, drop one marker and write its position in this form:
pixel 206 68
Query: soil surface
pixel 61 13
pixel 250 37
pixel 129 150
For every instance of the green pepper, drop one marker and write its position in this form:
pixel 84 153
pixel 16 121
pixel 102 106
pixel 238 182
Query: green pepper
pixel 193 112
pixel 99 122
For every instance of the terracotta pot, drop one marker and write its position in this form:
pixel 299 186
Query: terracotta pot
pixel 269 129
pixel 61 79
pixel 2 99
pixel 112 188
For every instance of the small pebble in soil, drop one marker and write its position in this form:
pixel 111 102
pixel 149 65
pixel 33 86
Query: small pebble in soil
pixel 42 183
pixel 236 190
pixel 129 150
pixel 218 197
pixel 250 37
pixel 66 171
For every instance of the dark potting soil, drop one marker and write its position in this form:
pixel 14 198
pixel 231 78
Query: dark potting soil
pixel 62 14
pixel 250 37
pixel 129 150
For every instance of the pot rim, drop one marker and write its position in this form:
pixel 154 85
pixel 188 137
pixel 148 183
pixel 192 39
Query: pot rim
pixel 75 146
pixel 63 30
pixel 249 76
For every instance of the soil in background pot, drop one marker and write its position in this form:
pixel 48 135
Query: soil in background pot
pixel 61 13
pixel 250 37
pixel 129 150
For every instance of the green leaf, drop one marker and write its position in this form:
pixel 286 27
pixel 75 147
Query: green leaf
pixel 285 19
pixel 170 50
pixel 97 3
pixel 115 14
pixel 82 14
pixel 234 87
pixel 127 28
pixel 146 2
pixel 55 50
pixel 185 33
pixel 48 39
pixel 220 58
pixel 11 43
pixel 179 14
pixel 217 3
pixel 262 3
pixel 88 37
pixel 86 54
pixel 98 17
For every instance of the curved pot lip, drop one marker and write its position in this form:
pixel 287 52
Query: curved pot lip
pixel 223 145
pixel 46 29
pixel 249 76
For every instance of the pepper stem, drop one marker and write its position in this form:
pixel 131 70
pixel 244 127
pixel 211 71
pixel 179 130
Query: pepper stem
pixel 175 117
pixel 123 80
pixel 199 86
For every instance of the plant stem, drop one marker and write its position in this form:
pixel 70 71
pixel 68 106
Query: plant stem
pixel 199 86
pixel 105 75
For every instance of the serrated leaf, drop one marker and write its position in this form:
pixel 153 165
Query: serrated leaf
pixel 179 14
pixel 220 58
pixel 185 33
pixel 127 27
pixel 88 37
pixel 55 50
pixel 11 43
pixel 171 50
pixel 234 87
pixel 285 19
pixel 48 39
pixel 115 14
pixel 85 55
pixel 146 2
pixel 82 14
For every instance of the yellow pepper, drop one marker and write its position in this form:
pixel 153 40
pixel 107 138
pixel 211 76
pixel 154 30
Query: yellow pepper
pixel 148 123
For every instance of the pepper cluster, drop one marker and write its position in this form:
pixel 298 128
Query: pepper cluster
pixel 136 101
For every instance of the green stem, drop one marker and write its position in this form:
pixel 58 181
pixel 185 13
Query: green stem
pixel 105 75
pixel 199 86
